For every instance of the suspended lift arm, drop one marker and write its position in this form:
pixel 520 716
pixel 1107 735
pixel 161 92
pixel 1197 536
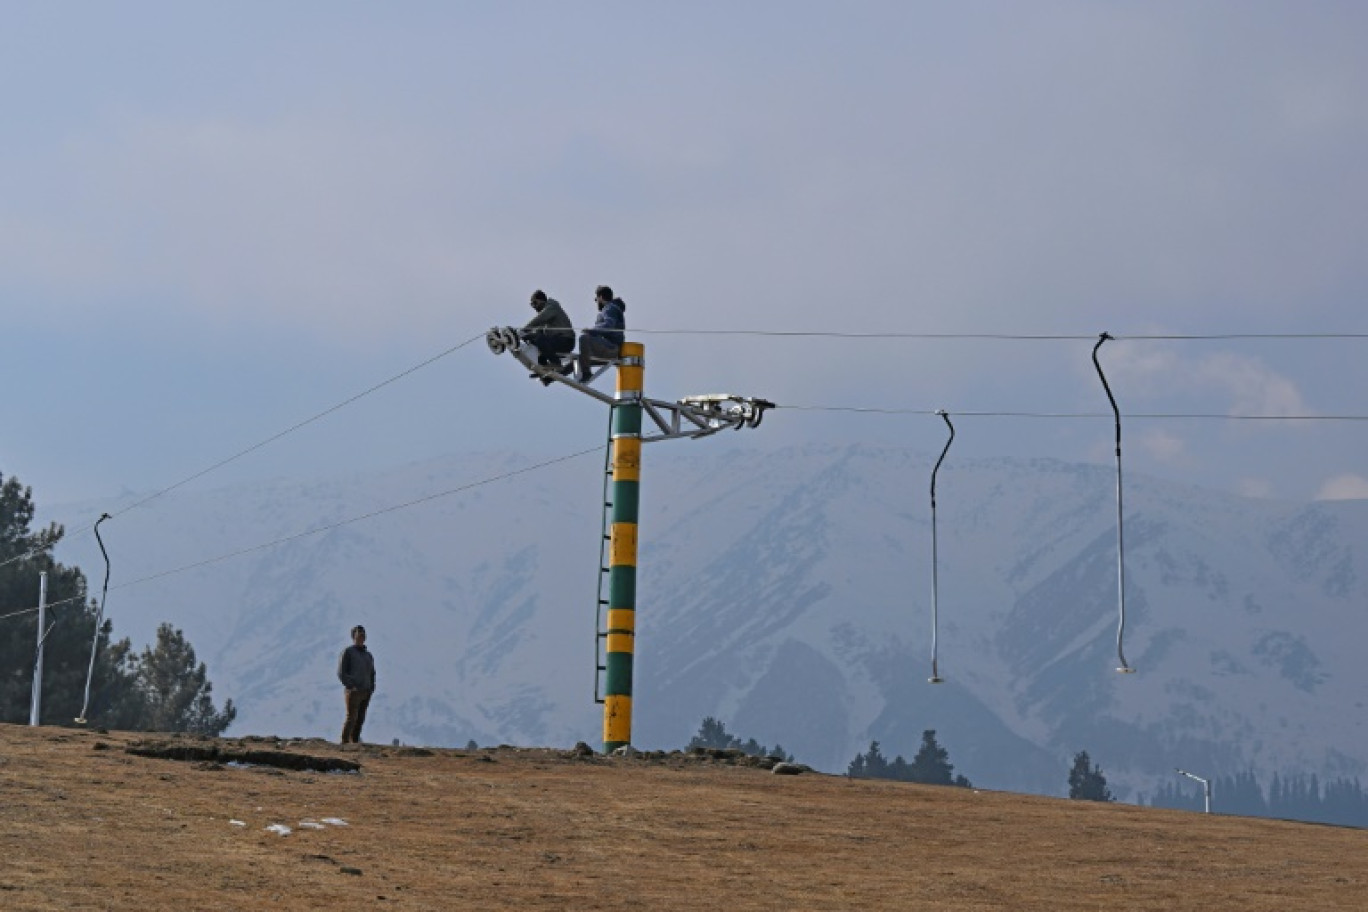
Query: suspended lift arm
pixel 689 417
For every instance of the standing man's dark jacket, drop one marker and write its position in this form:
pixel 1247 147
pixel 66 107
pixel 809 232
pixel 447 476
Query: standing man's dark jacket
pixel 356 669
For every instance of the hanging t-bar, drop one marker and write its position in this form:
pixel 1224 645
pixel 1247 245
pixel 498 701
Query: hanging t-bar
pixel 1124 668
pixel 935 560
pixel 99 623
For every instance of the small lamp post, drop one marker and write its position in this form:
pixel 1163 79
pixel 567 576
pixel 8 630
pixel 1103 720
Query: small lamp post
pixel 1206 788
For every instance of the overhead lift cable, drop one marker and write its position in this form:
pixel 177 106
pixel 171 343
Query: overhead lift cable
pixel 845 334
pixel 355 519
pixel 1203 416
pixel 269 440
pixel 328 528
pixel 23 611
pixel 297 426
pixel 1004 337
pixel 800 333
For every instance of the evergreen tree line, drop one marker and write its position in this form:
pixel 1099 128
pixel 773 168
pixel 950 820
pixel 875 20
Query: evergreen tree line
pixel 713 733
pixel 1339 801
pixel 163 688
pixel 930 765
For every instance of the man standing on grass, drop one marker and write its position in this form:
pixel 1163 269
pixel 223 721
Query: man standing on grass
pixel 356 671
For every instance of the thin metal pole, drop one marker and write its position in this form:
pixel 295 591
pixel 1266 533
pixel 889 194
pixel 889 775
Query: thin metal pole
pixel 36 707
pixel 935 561
pixel 99 622
pixel 1120 529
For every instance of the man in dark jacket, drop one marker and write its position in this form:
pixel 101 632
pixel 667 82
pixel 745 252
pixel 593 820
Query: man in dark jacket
pixel 549 330
pixel 602 342
pixel 356 671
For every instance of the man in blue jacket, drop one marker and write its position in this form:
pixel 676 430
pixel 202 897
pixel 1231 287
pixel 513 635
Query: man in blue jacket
pixel 602 341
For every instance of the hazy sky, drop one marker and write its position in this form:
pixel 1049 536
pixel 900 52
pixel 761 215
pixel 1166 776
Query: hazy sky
pixel 217 220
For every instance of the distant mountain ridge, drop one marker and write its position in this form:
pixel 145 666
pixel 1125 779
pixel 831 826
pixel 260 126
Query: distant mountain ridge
pixel 787 592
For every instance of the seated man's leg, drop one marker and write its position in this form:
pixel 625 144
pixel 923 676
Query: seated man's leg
pixel 557 346
pixel 552 344
pixel 559 343
pixel 537 338
pixel 594 348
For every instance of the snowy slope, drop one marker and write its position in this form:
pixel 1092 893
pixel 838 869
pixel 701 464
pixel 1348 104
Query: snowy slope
pixel 788 592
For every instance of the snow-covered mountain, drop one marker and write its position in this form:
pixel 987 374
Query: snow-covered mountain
pixel 787 592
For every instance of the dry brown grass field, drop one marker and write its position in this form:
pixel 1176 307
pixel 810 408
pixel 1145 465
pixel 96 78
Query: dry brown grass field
pixel 84 824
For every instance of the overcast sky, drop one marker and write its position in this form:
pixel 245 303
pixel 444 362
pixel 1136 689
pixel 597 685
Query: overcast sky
pixel 219 219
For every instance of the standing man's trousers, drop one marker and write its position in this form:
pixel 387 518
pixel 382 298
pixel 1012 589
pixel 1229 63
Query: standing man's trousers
pixel 357 701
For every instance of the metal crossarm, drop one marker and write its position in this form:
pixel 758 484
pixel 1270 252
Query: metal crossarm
pixel 689 417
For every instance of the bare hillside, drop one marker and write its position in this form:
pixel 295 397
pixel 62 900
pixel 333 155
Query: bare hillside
pixel 86 824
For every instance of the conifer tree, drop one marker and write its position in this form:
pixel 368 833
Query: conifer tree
pixel 1086 782
pixel 713 733
pixel 869 765
pixel 176 692
pixel 932 765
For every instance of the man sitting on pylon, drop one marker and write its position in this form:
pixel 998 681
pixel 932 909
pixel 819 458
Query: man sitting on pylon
pixel 603 341
pixel 550 331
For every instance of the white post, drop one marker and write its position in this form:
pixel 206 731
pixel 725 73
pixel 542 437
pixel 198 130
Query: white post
pixel 36 707
pixel 1206 788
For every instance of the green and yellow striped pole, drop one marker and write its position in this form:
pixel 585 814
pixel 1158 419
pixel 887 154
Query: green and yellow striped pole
pixel 622 550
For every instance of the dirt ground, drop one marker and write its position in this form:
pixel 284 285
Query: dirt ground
pixel 85 824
